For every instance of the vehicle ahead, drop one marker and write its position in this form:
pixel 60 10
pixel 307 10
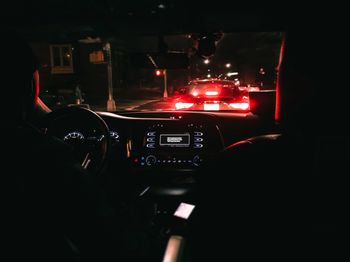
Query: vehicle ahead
pixel 212 95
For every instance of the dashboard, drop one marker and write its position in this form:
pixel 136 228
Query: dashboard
pixel 159 142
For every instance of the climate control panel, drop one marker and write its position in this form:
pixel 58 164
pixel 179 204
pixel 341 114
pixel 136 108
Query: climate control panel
pixel 169 161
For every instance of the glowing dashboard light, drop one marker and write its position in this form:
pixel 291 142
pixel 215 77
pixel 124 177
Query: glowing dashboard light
pixel 128 148
pixel 240 106
pixel 211 93
pixel 182 105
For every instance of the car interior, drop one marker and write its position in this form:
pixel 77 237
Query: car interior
pixel 188 185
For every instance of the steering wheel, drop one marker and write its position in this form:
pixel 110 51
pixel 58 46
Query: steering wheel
pixel 85 132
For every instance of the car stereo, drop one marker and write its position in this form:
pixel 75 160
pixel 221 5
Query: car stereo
pixel 174 140
pixel 172 146
pixel 163 139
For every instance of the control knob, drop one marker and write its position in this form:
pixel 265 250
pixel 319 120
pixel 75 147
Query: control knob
pixel 196 160
pixel 151 160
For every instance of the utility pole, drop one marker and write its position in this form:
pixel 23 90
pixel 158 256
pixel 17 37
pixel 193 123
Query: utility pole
pixel 165 93
pixel 110 102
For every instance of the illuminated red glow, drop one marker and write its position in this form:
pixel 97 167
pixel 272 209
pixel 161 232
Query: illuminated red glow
pixel 37 85
pixel 211 93
pixel 278 86
pixel 195 93
pixel 158 72
pixel 182 105
pixel 240 106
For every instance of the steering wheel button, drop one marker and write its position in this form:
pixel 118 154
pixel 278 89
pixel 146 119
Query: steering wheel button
pixel 153 133
pixel 151 145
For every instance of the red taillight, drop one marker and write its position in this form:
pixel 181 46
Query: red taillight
pixel 240 106
pixel 182 105
pixel 211 93
pixel 195 93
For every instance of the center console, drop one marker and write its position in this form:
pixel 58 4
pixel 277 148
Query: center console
pixel 173 145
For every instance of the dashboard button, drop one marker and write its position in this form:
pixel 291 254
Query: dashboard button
pixel 197 145
pixel 151 139
pixel 151 145
pixel 153 133
pixel 198 133
pixel 198 139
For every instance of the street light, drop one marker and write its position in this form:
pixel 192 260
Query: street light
pixel 232 73
pixel 111 106
pixel 206 61
pixel 165 92
pixel 228 65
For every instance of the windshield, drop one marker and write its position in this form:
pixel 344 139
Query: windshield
pixel 212 71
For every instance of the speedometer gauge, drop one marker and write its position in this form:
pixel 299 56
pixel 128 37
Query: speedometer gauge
pixel 114 137
pixel 73 136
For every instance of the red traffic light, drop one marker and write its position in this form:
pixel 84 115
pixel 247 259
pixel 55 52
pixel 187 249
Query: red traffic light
pixel 159 72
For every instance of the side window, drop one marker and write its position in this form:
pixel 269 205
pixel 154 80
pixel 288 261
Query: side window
pixel 61 59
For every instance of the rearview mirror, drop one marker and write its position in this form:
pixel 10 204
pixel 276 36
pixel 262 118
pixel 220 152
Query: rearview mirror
pixel 206 46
